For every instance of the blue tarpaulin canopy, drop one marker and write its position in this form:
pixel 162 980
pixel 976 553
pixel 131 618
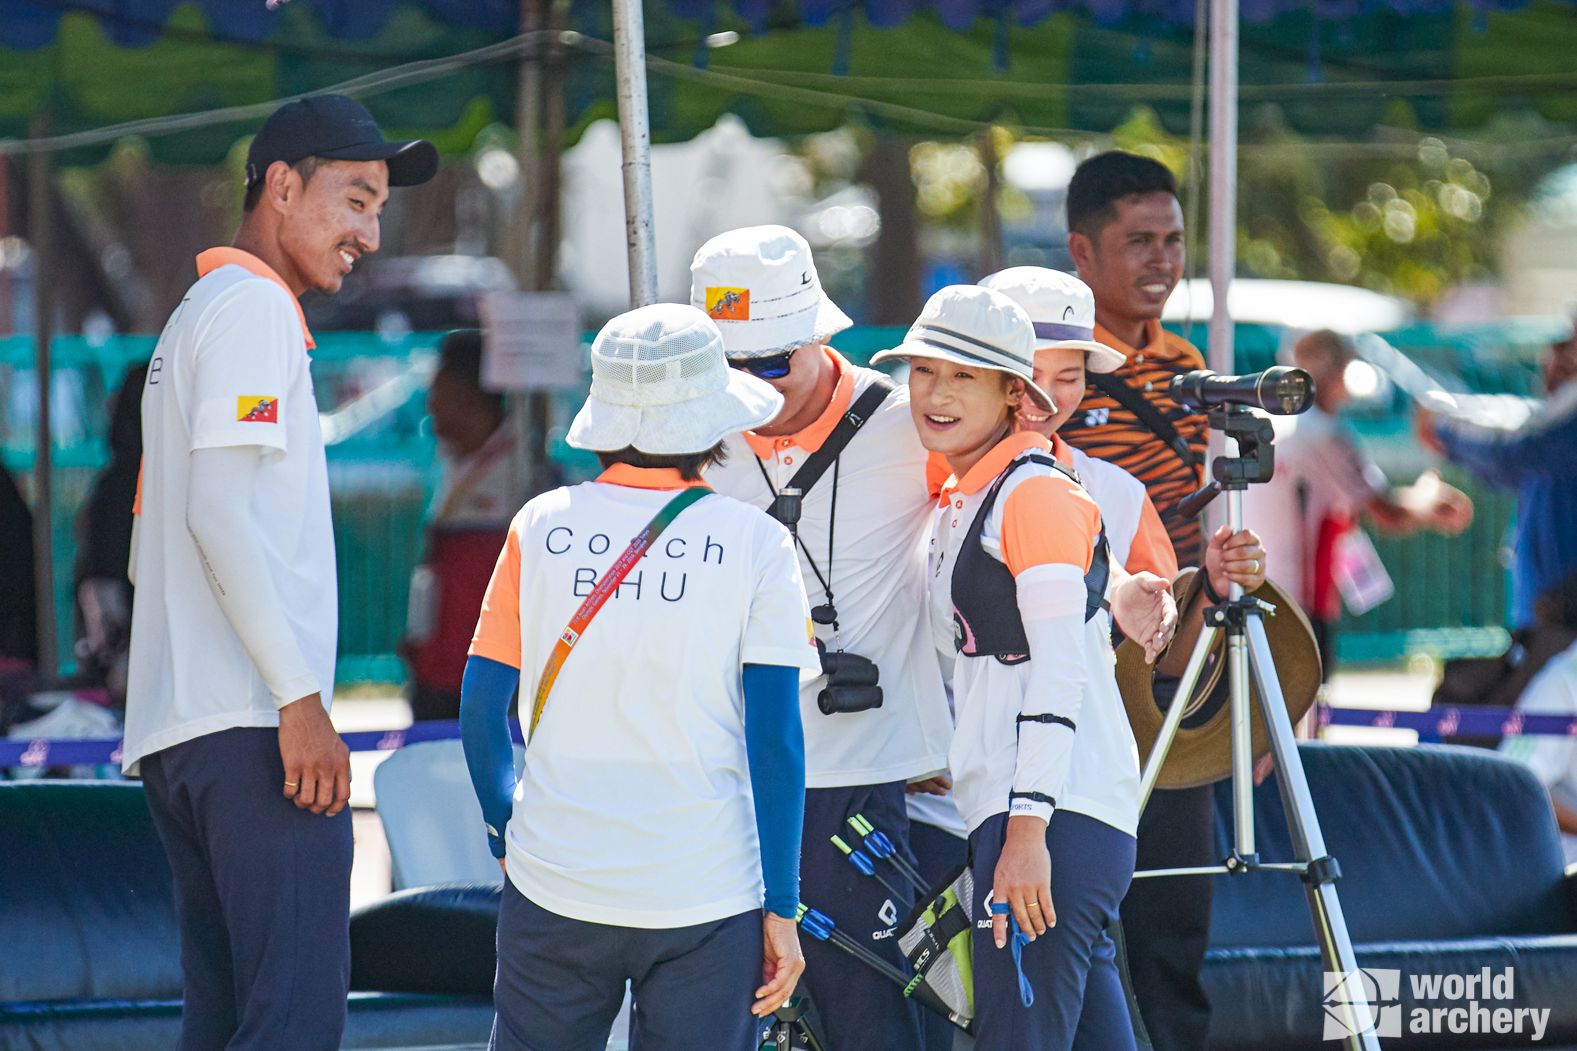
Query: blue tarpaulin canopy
pixel 29 24
pixel 1332 67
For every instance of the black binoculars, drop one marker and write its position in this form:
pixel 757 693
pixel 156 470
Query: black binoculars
pixel 851 682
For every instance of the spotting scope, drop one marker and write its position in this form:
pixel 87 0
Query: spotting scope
pixel 1280 391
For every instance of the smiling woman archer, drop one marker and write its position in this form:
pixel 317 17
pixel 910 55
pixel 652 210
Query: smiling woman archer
pixel 1018 572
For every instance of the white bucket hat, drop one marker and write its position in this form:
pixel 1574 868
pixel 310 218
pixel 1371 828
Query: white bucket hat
pixel 1062 309
pixel 759 284
pixel 660 383
pixel 978 327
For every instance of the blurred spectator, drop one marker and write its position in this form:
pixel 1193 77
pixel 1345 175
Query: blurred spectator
pixel 18 610
pixel 1536 457
pixel 1324 482
pixel 1553 758
pixel 102 590
pixel 481 488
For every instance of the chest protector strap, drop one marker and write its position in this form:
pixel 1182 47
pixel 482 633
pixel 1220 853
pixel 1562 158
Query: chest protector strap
pixel 986 621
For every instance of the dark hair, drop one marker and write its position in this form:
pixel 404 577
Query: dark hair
pixel 460 356
pixel 689 465
pixel 254 191
pixel 1103 180
pixel 1324 349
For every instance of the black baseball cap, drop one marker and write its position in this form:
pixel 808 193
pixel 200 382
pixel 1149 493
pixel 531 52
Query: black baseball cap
pixel 337 128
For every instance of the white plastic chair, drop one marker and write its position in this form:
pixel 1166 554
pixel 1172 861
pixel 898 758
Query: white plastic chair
pixel 431 817
pixel 434 827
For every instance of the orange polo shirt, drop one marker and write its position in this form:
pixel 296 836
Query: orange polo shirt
pixel 1107 431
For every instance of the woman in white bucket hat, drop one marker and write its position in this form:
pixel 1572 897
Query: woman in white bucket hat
pixel 1062 309
pixel 653 835
pixel 1044 765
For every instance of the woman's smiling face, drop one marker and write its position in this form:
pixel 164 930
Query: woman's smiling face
pixel 960 411
pixel 1059 371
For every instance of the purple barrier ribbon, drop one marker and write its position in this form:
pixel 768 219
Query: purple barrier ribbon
pixel 1445 722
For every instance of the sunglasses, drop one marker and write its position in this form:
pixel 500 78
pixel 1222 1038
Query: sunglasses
pixel 772 367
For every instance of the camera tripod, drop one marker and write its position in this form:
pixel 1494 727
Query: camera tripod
pixel 791 1028
pixel 1248 652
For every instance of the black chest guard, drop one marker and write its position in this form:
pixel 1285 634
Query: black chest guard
pixel 986 621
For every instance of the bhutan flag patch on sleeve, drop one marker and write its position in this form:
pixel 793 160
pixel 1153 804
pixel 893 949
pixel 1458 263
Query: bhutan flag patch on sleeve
pixel 257 408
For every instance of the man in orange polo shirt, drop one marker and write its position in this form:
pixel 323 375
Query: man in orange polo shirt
pixel 1125 232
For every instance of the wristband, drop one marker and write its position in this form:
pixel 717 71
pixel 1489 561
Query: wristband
pixel 1215 597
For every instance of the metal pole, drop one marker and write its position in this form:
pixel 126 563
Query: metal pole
pixel 990 219
pixel 1223 175
pixel 1242 713
pixel 523 411
pixel 629 58
pixel 39 231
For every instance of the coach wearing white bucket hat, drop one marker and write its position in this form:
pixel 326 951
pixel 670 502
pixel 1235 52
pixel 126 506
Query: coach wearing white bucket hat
pixel 658 813
pixel 861 533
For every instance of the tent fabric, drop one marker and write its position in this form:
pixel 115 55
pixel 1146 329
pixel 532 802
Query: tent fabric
pixel 30 24
pixel 939 67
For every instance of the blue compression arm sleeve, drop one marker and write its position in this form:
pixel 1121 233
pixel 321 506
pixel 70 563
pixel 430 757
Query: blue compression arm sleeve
pixel 775 745
pixel 485 693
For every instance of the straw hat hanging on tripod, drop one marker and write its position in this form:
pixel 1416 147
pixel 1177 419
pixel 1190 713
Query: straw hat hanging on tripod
pixel 1202 751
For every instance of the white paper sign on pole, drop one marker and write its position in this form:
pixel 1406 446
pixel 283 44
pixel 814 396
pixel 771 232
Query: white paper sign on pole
pixel 531 341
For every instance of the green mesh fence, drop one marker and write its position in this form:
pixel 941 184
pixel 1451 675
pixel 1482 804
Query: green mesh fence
pixel 383 464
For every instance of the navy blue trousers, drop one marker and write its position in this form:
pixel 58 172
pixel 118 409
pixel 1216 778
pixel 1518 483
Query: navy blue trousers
pixel 262 891
pixel 560 982
pixel 1072 968
pixel 859 1009
pixel 1166 921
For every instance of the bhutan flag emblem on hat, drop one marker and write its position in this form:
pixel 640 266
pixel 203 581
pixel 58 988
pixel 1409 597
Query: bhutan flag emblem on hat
pixel 257 408
pixel 728 304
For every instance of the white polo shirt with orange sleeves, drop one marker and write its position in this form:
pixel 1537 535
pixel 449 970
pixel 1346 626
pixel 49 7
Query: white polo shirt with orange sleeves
pixel 1138 539
pixel 1043 527
pixel 877 574
pixel 640 752
pixel 230 369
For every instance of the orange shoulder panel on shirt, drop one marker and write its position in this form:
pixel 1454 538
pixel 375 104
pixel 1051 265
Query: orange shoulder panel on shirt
pixel 498 628
pixel 1049 519
pixel 136 501
pixel 937 472
pixel 1151 550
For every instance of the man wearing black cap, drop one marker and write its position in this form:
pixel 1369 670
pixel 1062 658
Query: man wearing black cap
pixel 235 617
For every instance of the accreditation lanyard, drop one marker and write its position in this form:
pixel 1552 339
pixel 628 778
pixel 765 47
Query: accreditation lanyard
pixel 604 589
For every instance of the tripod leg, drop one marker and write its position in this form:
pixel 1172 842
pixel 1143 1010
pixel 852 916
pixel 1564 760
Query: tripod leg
pixel 1307 840
pixel 1174 714
pixel 1242 749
